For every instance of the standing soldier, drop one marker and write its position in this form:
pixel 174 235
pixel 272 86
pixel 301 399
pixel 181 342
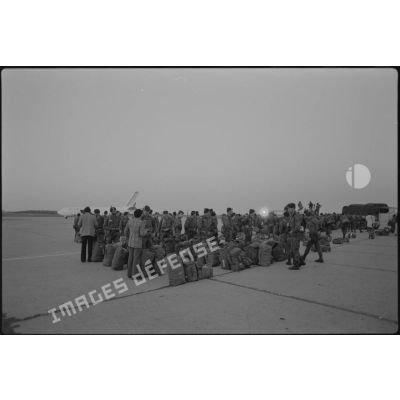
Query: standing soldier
pixel 228 228
pixel 191 225
pixel 156 223
pixel 105 225
pixel 149 227
pixel 113 226
pixel 344 222
pixel 295 234
pixel 283 236
pixel 76 226
pixel 246 226
pixel 123 222
pixel 166 226
pixel 178 224
pixel 205 225
pixel 314 227
pixel 255 221
pixel 214 224
pixel 100 226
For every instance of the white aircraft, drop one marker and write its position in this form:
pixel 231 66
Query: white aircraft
pixel 72 211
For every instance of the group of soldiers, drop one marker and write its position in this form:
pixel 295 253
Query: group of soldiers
pixel 288 229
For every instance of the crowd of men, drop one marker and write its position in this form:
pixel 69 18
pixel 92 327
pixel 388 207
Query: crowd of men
pixel 146 228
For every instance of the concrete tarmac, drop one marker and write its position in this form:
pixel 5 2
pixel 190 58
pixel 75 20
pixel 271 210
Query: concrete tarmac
pixel 354 291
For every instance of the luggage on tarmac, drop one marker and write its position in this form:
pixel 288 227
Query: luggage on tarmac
pixel 277 253
pixel 176 276
pixel 205 272
pixel 346 240
pixel 235 258
pixel 97 252
pixel 109 254
pixel 213 259
pixel 252 252
pixel 353 235
pixel 265 254
pixel 337 241
pixel 120 258
pixel 190 271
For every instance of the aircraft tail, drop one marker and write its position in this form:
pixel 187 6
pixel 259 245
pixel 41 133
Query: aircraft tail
pixel 132 202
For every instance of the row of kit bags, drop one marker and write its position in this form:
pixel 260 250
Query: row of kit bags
pixel 237 255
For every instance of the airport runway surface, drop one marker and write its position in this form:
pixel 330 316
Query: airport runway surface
pixel 354 291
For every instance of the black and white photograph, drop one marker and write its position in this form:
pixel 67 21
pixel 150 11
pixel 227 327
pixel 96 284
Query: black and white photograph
pixel 199 200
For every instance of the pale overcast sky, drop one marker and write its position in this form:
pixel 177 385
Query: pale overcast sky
pixel 194 138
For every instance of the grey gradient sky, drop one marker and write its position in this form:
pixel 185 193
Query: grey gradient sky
pixel 194 138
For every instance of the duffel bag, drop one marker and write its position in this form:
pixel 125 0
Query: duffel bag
pixel 98 252
pixel 235 256
pixel 252 253
pixel 109 254
pixel 176 276
pixel 346 240
pixel 337 241
pixel 265 255
pixel 190 271
pixel 120 258
pixel 205 272
pixel 353 235
pixel 278 253
pixel 213 259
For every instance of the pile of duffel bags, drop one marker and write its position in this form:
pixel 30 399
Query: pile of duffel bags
pixel 237 255
pixel 190 270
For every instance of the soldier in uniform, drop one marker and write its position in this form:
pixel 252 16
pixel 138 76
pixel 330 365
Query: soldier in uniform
pixel 122 224
pixel 166 226
pixel 191 225
pixel 228 228
pixel 178 224
pixel 214 224
pixel 283 236
pixel 205 226
pixel 105 224
pixel 295 233
pixel 149 226
pixel 113 226
pixel 246 226
pixel 314 227
pixel 100 226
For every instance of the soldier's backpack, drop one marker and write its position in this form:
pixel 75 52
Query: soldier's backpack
pixel 176 276
pixel 213 259
pixel 97 252
pixel 278 253
pixel 205 272
pixel 252 252
pixel 120 258
pixel 109 254
pixel 190 271
pixel 235 258
pixel 337 241
pixel 265 255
